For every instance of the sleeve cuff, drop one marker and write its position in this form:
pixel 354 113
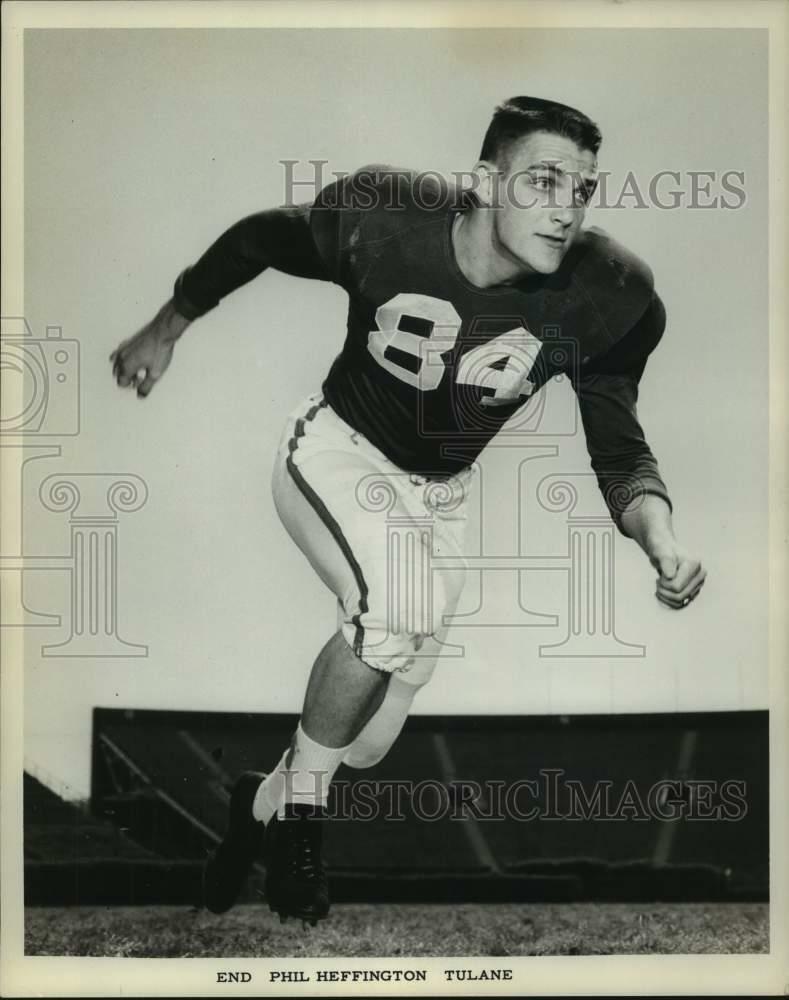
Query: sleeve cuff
pixel 183 303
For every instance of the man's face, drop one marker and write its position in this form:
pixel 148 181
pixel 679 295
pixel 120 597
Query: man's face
pixel 543 190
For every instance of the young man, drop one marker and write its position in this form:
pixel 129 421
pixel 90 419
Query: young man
pixel 451 294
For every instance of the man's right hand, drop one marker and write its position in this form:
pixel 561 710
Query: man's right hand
pixel 141 360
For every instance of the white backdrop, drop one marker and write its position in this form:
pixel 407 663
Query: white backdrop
pixel 142 146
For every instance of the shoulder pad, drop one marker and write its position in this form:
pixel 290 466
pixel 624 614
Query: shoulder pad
pixel 376 186
pixel 384 200
pixel 370 206
pixel 615 282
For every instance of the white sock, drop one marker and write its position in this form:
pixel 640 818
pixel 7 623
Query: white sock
pixel 270 792
pixel 312 767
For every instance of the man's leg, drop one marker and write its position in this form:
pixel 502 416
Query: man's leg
pixel 316 492
pixel 342 694
pixel 379 734
pixel 383 727
pixel 314 488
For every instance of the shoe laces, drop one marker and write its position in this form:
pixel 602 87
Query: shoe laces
pixel 302 843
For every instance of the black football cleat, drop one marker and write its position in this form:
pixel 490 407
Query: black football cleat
pixel 228 867
pixel 296 882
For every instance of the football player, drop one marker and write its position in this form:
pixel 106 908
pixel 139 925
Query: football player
pixel 453 295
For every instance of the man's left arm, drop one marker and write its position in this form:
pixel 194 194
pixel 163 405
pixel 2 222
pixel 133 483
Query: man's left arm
pixel 626 469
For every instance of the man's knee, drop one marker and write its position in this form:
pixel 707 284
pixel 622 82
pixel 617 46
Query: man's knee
pixel 400 637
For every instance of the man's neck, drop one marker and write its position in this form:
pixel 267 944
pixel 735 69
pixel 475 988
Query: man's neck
pixel 481 260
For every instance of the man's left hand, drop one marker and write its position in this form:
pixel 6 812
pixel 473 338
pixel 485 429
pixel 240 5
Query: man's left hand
pixel 681 576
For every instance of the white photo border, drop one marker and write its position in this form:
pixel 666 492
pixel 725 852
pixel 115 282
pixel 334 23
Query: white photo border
pixel 617 975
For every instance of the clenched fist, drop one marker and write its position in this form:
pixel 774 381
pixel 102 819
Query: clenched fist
pixel 681 576
pixel 141 360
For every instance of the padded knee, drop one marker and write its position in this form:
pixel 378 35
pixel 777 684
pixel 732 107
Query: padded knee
pixel 404 642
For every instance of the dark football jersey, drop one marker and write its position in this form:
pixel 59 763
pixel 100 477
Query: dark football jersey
pixel 432 366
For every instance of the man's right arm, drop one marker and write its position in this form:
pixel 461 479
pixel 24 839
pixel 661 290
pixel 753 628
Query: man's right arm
pixel 309 241
pixel 281 238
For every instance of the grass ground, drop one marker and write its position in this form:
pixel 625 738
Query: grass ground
pixel 402 930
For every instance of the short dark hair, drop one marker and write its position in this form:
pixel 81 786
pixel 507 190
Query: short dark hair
pixel 520 116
